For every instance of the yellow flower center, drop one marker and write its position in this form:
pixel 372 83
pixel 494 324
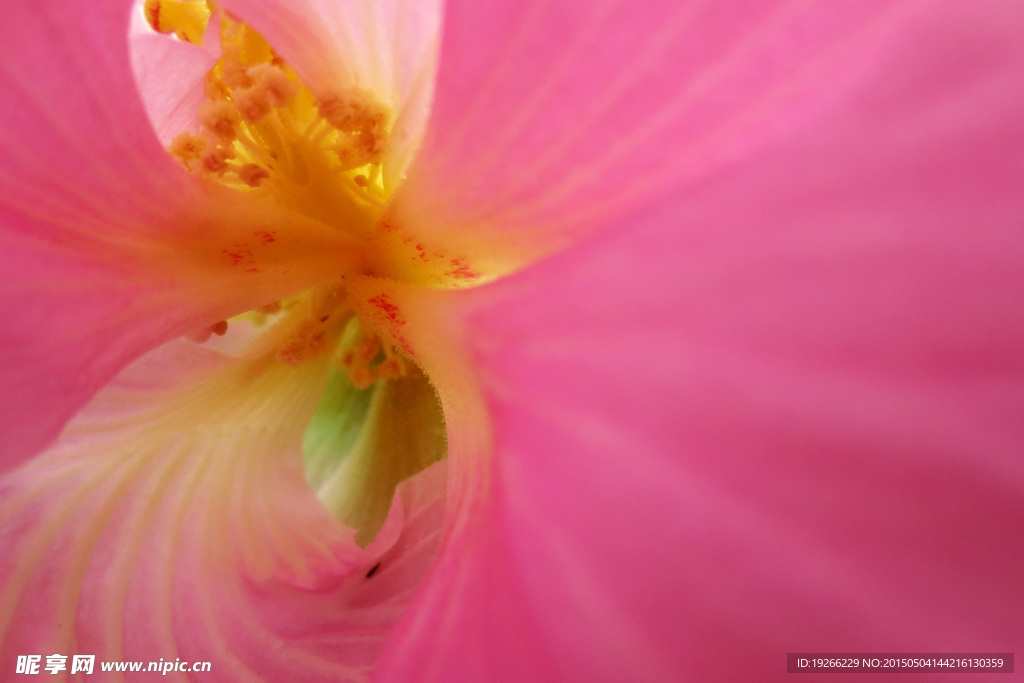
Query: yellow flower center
pixel 263 133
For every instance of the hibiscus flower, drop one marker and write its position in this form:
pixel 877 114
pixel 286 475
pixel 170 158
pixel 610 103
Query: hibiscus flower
pixel 510 341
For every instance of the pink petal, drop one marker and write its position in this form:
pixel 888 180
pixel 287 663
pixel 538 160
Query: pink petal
pixel 173 520
pixel 171 75
pixel 389 47
pixel 551 117
pixel 109 247
pixel 780 411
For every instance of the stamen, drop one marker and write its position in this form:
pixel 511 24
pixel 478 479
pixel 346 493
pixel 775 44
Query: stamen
pixel 186 147
pixel 279 89
pixel 368 348
pixel 263 132
pixel 392 368
pixel 252 103
pixel 362 122
pixel 215 160
pixel 361 375
pixel 269 88
pixel 220 119
pixel 252 175
pixel 355 111
pixel 235 75
pixel 359 361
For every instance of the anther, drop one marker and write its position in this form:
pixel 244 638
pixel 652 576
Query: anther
pixel 235 76
pixel 362 375
pixel 355 111
pixel 368 348
pixel 392 368
pixel 357 151
pixel 186 147
pixel 252 103
pixel 274 82
pixel 252 175
pixel 219 118
pixel 268 86
pixel 215 160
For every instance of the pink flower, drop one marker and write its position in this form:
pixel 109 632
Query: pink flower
pixel 722 303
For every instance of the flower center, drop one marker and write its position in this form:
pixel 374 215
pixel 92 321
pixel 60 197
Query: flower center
pixel 262 132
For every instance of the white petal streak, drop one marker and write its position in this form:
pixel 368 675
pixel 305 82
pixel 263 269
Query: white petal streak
pixel 172 520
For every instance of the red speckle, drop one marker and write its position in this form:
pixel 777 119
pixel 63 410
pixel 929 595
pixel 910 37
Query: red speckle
pixel 266 235
pixel 404 344
pixel 388 227
pixel 389 309
pixel 239 255
pixel 461 270
pixel 254 270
